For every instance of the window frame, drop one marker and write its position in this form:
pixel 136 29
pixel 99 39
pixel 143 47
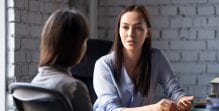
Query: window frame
pixel 3 57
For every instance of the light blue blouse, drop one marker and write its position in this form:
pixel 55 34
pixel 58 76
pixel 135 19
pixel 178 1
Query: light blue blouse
pixel 112 96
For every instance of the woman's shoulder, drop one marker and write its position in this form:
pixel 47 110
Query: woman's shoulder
pixel 106 58
pixel 73 81
pixel 74 85
pixel 155 51
pixel 79 95
pixel 105 63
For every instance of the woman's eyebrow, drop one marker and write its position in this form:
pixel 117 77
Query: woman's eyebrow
pixel 133 24
pixel 138 23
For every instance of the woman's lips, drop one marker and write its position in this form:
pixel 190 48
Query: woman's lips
pixel 131 42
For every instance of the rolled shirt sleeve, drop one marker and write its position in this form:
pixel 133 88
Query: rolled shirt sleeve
pixel 168 79
pixel 104 86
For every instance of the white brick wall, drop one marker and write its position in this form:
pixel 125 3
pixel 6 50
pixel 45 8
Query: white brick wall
pixel 189 56
pixel 167 10
pixel 187 30
pixel 187 10
pixel 206 10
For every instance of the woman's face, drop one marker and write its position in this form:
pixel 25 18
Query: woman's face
pixel 83 50
pixel 133 30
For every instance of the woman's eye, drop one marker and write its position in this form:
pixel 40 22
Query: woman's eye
pixel 138 28
pixel 125 27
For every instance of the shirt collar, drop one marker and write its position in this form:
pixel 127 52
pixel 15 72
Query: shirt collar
pixel 126 80
pixel 66 70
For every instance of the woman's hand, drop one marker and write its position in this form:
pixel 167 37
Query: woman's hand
pixel 162 105
pixel 165 105
pixel 185 103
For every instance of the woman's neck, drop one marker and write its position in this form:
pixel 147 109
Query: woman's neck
pixel 131 59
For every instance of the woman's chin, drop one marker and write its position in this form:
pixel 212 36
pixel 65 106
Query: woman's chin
pixel 130 48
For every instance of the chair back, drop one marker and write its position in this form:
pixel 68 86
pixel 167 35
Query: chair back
pixel 84 71
pixel 30 97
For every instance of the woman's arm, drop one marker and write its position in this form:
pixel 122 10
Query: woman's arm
pixel 172 88
pixel 81 100
pixel 168 79
pixel 105 86
pixel 162 105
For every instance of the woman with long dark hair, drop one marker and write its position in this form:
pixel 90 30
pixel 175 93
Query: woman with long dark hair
pixel 63 44
pixel 126 78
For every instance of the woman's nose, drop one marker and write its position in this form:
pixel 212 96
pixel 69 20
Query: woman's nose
pixel 131 32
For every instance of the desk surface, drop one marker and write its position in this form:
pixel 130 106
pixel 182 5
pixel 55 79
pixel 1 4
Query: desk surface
pixel 199 109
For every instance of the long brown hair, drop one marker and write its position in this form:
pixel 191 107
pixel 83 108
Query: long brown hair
pixel 62 38
pixel 142 81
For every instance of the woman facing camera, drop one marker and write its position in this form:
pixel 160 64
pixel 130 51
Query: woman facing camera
pixel 63 44
pixel 126 79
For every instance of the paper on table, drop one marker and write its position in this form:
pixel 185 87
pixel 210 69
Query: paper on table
pixel 215 80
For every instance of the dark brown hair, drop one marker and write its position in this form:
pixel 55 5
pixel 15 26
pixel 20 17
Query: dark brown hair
pixel 142 81
pixel 62 38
